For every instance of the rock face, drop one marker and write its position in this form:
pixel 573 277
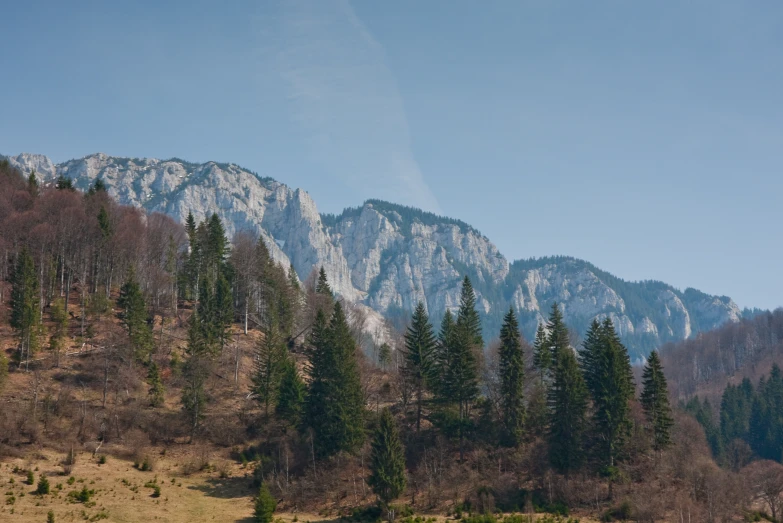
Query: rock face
pixel 389 257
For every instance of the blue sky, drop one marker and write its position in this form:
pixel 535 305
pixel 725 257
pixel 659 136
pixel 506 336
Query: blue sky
pixel 645 137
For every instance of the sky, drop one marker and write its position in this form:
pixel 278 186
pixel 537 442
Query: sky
pixel 644 137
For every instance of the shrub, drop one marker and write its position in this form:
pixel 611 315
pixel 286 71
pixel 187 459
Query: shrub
pixel 30 477
pixel 50 517
pixel 81 496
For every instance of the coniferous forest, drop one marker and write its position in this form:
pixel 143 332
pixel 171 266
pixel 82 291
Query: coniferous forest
pixel 128 336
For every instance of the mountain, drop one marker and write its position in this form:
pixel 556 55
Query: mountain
pixel 390 256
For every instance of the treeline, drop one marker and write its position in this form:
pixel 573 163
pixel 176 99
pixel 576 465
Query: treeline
pixel 749 423
pixel 707 362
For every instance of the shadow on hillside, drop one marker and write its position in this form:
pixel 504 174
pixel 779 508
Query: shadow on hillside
pixel 227 488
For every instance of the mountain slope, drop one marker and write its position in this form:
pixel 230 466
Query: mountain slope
pixel 390 256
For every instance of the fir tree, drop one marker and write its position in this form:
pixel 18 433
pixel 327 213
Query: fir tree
pixel 64 184
pixel 419 356
pixel 264 506
pixel 270 357
pixel 512 376
pixel 542 355
pixel 24 306
pixel 223 311
pixel 32 184
pixel 468 318
pixel 567 399
pixel 606 367
pixel 157 391
pixel 335 402
pixel 134 316
pixel 443 357
pixel 291 394
pixel 655 402
pixel 322 286
pixel 194 395
pixel 387 462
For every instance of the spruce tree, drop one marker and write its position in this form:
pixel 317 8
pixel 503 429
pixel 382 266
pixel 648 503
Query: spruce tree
pixel 468 318
pixel 461 374
pixel 291 394
pixel 335 403
pixel 271 354
pixel 419 356
pixel 134 316
pixel 32 184
pixel 606 367
pixel 223 311
pixel 655 402
pixel 322 286
pixel 24 306
pixel 512 376
pixel 387 462
pixel 542 355
pixel 195 372
pixel 567 398
pixel 443 357
pixel 264 506
pixel 157 391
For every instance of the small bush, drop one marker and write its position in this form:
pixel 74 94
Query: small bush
pixel 50 517
pixel 30 478
pixel 102 459
pixel 81 496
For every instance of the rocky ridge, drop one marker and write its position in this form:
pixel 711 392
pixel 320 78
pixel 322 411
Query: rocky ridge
pixel 389 257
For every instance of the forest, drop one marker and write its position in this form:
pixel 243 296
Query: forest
pixel 130 336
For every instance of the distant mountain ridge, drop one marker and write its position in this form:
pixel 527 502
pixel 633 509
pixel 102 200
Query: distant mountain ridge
pixel 389 256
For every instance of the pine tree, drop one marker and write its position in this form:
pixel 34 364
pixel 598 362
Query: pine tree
pixel 419 356
pixel 461 374
pixel 567 399
pixel 264 506
pixel 542 355
pixel 655 401
pixel 194 395
pixel 223 311
pixel 606 367
pixel 24 306
pixel 335 402
pixel 468 318
pixel 195 372
pixel 443 357
pixel 512 376
pixel 157 391
pixel 322 287
pixel 134 316
pixel 32 184
pixel 270 357
pixel 387 462
pixel 291 394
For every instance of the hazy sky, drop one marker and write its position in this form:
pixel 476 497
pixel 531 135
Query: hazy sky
pixel 645 137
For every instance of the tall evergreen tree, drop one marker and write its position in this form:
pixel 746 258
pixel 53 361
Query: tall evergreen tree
pixel 512 376
pixel 461 374
pixel 387 462
pixel 322 286
pixel 419 356
pixel 567 398
pixel 443 357
pixel 223 311
pixel 335 402
pixel 655 402
pixel 134 316
pixel 32 184
pixel 291 394
pixel 157 391
pixel 270 357
pixel 542 355
pixel 606 367
pixel 25 316
pixel 468 318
